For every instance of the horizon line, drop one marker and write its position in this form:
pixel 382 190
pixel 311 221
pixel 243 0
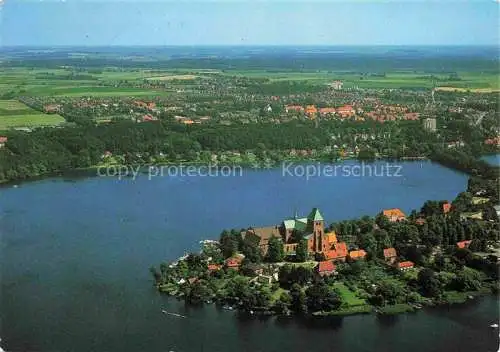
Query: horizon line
pixel 243 45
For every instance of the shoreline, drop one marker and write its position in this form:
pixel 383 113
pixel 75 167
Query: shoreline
pixel 91 171
pixel 450 299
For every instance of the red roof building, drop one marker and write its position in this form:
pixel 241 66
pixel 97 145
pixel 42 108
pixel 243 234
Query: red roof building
pixel 327 111
pixel 325 268
pixel 311 111
pixel 405 265
pixel 446 207
pixel 346 111
pixel 394 215
pixel 359 254
pixel 411 116
pixel 296 108
pixel 148 117
pixel 338 253
pixel 464 244
pixel 493 141
pixel 420 221
pixel 233 262
pixel 214 267
pixel 390 255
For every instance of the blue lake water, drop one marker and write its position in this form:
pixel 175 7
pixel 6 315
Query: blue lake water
pixel 75 255
pixel 493 159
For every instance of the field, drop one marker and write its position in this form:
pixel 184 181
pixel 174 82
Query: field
pixel 60 82
pixel 473 90
pixel 56 82
pixel 15 114
pixel 474 81
pixel 172 77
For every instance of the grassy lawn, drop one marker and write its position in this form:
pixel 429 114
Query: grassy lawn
pixel 277 294
pixel 348 297
pixel 309 264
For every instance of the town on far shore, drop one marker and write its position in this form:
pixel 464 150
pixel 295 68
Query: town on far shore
pixel 445 253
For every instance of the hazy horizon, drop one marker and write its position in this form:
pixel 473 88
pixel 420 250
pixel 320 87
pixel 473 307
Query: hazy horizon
pixel 110 23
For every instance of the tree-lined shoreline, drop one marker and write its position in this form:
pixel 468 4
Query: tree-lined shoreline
pixel 448 249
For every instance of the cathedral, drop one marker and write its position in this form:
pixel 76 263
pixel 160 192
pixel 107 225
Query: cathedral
pixel 290 231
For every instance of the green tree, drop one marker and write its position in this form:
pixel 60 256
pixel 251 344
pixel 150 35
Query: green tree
pixel 467 279
pixel 275 251
pixel 429 283
pixel 390 292
pixel 298 296
pixel 320 297
pixel 228 244
pixel 301 251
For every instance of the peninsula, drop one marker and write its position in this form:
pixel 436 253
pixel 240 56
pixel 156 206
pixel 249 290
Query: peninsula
pixel 447 252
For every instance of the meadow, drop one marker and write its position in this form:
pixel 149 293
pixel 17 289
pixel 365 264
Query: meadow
pixel 478 81
pixel 16 114
pixel 66 82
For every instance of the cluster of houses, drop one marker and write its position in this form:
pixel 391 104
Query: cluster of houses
pixel 189 121
pixel 345 111
pixel 493 141
pixel 380 112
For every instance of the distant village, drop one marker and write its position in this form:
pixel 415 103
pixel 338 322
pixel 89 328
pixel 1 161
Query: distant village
pixel 227 102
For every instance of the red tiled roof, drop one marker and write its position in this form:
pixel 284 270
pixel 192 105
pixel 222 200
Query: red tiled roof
pixel 214 267
pixel 394 214
pixel 311 109
pixel 327 110
pixel 331 237
pixel 357 254
pixel 345 108
pixel 326 266
pixel 340 251
pixel 464 244
pixel 446 207
pixel 233 261
pixel 406 264
pixel 294 107
pixel 493 141
pixel 420 221
pixel 390 252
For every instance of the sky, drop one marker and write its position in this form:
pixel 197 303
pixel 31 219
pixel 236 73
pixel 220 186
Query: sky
pixel 238 22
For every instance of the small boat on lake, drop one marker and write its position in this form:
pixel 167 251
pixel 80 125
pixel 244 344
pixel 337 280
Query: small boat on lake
pixel 173 314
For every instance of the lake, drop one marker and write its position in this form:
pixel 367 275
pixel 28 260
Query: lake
pixel 493 159
pixel 75 258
